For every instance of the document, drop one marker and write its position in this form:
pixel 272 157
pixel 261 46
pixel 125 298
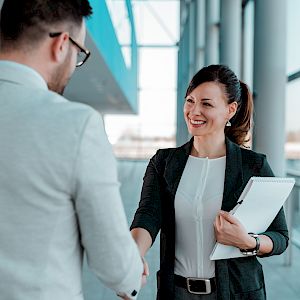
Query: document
pixel 258 205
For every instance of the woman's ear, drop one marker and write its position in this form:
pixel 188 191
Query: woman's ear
pixel 60 47
pixel 232 108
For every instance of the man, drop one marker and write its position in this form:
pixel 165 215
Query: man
pixel 58 184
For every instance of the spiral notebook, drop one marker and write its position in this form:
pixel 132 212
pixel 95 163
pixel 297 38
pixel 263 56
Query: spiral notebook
pixel 260 202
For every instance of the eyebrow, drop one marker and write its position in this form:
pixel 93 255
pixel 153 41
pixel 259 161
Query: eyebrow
pixel 202 99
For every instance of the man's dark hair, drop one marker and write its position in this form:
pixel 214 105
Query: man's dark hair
pixel 29 21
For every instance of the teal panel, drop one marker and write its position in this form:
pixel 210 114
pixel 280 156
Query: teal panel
pixel 182 135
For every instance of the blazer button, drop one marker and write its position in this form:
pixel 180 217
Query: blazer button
pixel 134 293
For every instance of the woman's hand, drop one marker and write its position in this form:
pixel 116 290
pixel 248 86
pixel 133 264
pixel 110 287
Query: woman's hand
pixel 143 240
pixel 229 231
pixel 145 272
pixel 123 297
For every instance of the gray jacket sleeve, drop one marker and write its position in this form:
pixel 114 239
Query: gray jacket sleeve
pixel 277 231
pixel 111 252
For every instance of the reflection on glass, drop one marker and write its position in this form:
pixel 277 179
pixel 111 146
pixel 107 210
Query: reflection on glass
pixel 119 16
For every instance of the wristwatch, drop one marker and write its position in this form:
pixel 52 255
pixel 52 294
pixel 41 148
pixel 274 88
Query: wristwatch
pixel 255 250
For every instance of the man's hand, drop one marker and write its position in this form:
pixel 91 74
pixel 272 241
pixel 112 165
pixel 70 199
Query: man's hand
pixel 145 274
pixel 229 231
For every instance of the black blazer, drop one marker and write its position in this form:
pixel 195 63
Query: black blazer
pixel 238 278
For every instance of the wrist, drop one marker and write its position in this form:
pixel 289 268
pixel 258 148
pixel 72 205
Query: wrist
pixel 248 243
pixel 252 247
pixel 251 242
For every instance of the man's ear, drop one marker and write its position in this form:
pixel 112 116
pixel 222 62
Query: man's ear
pixel 232 108
pixel 60 47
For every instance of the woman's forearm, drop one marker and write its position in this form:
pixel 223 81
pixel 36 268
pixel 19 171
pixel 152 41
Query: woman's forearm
pixel 143 239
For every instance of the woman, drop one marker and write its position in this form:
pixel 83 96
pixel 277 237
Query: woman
pixel 188 192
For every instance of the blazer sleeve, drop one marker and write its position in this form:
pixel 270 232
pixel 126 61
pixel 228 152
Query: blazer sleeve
pixel 277 231
pixel 111 251
pixel 148 214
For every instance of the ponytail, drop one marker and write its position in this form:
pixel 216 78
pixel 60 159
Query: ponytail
pixel 241 122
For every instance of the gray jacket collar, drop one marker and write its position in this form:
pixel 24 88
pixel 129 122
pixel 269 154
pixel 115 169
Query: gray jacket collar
pixel 21 74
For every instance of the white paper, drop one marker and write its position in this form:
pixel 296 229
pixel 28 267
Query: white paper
pixel 262 199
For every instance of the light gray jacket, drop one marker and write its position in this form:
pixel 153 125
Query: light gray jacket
pixel 59 195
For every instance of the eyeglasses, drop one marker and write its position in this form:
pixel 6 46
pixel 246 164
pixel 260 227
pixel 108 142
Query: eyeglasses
pixel 83 53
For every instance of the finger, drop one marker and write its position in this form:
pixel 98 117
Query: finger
pixel 217 222
pixel 228 217
pixel 216 225
pixel 144 280
pixel 123 297
pixel 221 221
pixel 146 269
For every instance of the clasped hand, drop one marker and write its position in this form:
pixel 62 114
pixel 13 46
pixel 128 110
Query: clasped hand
pixel 145 274
pixel 230 231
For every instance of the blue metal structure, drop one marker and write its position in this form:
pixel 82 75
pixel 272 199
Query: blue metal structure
pixel 106 83
pixel 102 31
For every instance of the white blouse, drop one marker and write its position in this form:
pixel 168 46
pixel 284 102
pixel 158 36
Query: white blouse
pixel 197 201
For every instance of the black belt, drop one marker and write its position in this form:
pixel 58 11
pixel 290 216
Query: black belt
pixel 196 285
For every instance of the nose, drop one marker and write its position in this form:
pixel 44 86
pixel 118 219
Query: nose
pixel 196 109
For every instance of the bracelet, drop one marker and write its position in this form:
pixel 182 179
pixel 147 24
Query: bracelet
pixel 255 250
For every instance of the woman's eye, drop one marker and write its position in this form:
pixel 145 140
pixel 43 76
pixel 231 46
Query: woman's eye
pixel 189 100
pixel 207 104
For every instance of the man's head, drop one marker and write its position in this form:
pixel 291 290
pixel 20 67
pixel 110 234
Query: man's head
pixel 46 35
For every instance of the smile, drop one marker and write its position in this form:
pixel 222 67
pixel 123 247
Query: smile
pixel 197 122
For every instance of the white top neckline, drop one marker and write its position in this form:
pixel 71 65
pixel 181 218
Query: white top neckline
pixel 206 158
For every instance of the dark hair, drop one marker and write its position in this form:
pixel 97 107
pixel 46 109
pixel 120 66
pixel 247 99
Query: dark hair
pixel 29 21
pixel 235 90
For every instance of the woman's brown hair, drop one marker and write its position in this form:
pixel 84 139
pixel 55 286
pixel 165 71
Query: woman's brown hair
pixel 235 90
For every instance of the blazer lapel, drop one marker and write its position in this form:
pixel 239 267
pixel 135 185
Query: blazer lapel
pixel 175 166
pixel 233 184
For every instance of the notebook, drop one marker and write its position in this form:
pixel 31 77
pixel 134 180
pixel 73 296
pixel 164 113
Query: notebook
pixel 260 202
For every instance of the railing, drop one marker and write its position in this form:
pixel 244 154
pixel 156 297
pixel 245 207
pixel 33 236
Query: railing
pixel 292 210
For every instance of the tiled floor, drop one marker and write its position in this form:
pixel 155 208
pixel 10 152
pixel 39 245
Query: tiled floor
pixel 283 283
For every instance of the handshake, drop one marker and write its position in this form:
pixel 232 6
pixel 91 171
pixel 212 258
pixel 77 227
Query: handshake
pixel 145 274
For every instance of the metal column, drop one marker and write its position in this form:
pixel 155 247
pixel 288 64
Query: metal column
pixel 200 34
pixel 269 87
pixel 230 34
pixel 212 32
pixel 248 44
pixel 186 58
pixel 192 41
pixel 270 81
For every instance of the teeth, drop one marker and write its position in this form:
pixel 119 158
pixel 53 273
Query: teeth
pixel 197 122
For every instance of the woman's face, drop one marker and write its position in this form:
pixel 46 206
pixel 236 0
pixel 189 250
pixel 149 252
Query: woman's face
pixel 206 110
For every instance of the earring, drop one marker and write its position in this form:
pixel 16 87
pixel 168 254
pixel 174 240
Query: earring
pixel 228 124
